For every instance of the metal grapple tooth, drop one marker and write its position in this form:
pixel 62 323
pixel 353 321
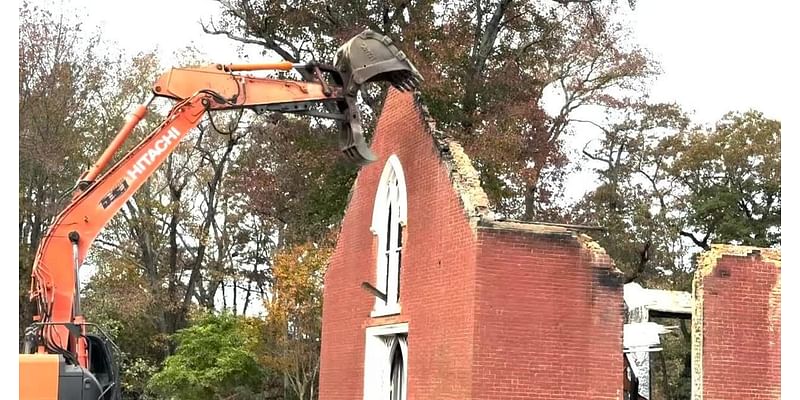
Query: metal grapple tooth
pixel 351 136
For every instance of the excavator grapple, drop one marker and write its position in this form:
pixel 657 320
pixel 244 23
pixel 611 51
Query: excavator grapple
pixel 368 57
pixel 372 57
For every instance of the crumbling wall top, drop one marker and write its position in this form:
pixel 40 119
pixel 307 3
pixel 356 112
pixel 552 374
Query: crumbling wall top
pixel 463 176
pixel 708 259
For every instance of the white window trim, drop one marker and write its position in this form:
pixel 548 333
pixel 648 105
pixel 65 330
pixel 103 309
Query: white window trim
pixel 377 360
pixel 379 218
pixel 385 330
pixel 379 208
pixel 382 310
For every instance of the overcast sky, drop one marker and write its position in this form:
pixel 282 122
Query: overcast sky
pixel 716 55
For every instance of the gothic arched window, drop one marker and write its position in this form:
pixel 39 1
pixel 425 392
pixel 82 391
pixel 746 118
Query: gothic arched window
pixel 388 220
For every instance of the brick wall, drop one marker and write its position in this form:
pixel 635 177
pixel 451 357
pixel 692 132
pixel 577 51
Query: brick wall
pixel 496 311
pixel 737 324
pixel 437 279
pixel 548 317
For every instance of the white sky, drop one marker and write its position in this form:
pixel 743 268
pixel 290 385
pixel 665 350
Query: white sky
pixel 716 55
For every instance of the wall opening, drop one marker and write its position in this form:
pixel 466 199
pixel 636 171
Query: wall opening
pixel 657 342
pixel 671 368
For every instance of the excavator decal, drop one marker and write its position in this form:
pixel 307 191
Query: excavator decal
pixel 161 145
pixel 114 194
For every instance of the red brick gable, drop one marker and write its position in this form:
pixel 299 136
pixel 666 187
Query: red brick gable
pixel 494 309
pixel 436 281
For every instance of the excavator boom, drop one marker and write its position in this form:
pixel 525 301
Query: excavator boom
pixel 81 364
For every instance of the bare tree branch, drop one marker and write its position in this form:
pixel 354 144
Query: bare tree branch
pixel 268 44
pixel 700 243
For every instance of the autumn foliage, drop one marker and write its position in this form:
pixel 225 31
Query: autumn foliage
pixel 294 315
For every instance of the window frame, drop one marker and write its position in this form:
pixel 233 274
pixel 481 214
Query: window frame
pixel 381 344
pixel 389 222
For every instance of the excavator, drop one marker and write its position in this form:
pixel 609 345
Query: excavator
pixel 65 357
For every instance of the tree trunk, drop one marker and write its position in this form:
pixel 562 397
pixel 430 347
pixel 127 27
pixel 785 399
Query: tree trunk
pixel 479 59
pixel 532 187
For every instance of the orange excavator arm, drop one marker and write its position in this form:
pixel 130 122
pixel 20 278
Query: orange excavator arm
pixel 101 192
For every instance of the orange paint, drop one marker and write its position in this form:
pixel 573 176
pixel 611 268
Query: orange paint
pixel 45 368
pixel 283 66
pixel 135 117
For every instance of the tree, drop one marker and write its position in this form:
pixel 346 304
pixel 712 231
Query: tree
pixel 635 199
pixel 215 359
pixel 663 180
pixel 732 179
pixel 294 319
pixel 186 233
pixel 181 228
pixel 118 299
pixel 61 69
pixel 176 243
pixel 302 179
